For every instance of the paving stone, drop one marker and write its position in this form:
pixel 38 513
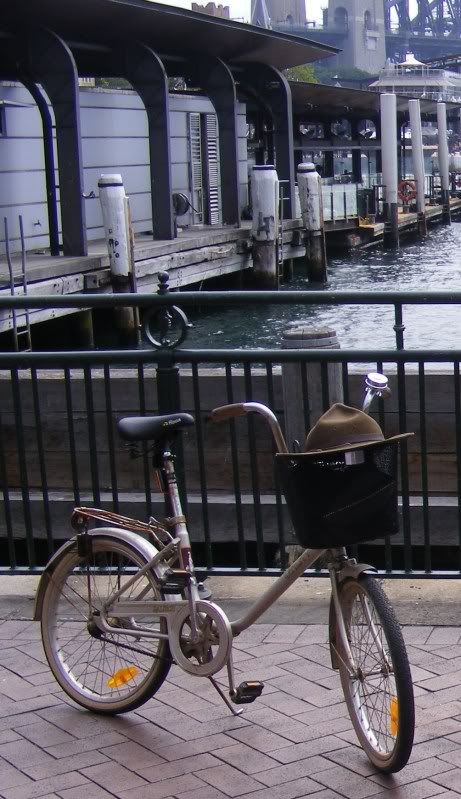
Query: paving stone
pixel 187 748
pixel 19 752
pixel 86 745
pixel 417 790
pixel 284 633
pixel 229 780
pixel 246 760
pixel 11 777
pixel 176 768
pixel 260 739
pixel 309 767
pixel 346 783
pixel 318 746
pixel 113 777
pixel 46 734
pixel 166 788
pixel 41 771
pixel 413 772
pixel 44 787
pixel 91 791
pixel 132 755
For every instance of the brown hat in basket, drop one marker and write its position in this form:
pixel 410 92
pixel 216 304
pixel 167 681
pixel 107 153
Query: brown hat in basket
pixel 342 428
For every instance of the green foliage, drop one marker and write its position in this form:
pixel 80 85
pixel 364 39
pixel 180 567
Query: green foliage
pixel 304 74
pixel 331 74
pixel 112 83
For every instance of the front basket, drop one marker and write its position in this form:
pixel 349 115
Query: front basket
pixel 334 503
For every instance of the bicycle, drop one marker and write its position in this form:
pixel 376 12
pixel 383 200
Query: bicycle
pixel 119 604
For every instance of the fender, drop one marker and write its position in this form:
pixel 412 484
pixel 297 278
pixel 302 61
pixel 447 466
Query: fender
pixel 143 548
pixel 351 570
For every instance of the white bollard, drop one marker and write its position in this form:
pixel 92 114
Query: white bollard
pixel 418 163
pixel 113 204
pixel 265 226
pixel 388 105
pixel 443 160
pixel 311 201
pixel 119 238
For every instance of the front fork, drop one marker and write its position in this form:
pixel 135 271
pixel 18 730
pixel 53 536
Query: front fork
pixel 340 651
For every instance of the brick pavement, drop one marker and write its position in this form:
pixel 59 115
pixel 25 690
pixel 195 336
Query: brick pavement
pixel 295 741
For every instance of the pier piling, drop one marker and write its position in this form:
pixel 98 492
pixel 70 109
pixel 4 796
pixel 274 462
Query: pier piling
pixel 418 163
pixel 389 167
pixel 265 200
pixel 116 217
pixel 443 161
pixel 310 198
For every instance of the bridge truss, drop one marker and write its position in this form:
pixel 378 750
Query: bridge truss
pixel 433 18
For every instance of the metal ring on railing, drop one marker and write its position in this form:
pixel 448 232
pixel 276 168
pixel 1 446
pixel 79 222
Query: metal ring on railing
pixel 172 325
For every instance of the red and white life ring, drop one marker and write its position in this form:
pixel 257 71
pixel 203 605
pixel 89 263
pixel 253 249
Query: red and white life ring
pixel 407 191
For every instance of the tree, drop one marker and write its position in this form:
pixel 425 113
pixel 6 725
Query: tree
pixel 304 74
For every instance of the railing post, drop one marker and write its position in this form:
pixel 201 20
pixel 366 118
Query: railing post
pixel 308 388
pixel 168 388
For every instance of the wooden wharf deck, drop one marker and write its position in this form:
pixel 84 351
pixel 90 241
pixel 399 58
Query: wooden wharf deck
pixel 196 255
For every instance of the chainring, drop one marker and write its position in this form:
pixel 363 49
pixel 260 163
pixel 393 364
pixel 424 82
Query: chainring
pixel 210 652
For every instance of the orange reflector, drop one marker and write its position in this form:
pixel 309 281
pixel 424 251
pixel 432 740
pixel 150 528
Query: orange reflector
pixel 122 676
pixel 394 716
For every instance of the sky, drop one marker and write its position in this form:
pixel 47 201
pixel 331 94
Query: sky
pixel 239 9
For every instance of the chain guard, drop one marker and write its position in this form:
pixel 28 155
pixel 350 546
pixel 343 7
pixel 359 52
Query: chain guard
pixel 211 652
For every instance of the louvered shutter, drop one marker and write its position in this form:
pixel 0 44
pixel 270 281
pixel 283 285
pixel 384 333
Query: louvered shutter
pixel 196 174
pixel 211 128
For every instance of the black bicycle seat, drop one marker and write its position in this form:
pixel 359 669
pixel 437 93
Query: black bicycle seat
pixel 145 428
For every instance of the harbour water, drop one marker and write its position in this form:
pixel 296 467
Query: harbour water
pixel 418 266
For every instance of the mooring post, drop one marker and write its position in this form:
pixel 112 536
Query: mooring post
pixel 114 205
pixel 417 155
pixel 311 201
pixel 443 161
pixel 388 104
pixel 265 227
pixel 308 388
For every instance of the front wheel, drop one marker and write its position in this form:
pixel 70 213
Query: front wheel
pixel 103 671
pixel 378 690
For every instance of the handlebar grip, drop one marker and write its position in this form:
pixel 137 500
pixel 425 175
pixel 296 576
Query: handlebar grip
pixel 228 412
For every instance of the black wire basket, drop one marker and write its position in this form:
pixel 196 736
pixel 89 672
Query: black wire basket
pixel 343 498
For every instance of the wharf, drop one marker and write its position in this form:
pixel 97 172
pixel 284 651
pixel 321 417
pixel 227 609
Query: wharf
pixel 408 222
pixel 196 255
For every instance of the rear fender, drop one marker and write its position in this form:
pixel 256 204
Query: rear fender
pixel 143 548
pixel 350 570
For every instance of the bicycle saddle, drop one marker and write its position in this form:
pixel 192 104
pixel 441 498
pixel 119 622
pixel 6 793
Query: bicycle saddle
pixel 144 428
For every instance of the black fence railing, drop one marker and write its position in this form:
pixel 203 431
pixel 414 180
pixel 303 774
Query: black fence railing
pixel 59 445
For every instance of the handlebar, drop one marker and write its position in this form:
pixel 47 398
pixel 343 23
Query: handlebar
pixel 376 386
pixel 242 409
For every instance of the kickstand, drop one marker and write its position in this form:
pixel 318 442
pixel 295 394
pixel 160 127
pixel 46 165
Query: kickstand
pixel 224 697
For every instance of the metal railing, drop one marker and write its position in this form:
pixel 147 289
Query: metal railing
pixel 59 446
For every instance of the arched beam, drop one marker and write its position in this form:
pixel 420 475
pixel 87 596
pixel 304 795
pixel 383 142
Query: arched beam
pixel 216 80
pixel 48 153
pixel 146 73
pixel 50 63
pixel 274 90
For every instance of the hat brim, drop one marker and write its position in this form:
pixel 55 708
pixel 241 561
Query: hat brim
pixel 314 453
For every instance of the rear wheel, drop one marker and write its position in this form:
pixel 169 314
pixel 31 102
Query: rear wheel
pixel 103 671
pixel 379 692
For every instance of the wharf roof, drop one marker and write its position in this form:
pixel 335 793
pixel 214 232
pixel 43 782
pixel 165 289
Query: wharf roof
pixel 331 102
pixel 167 29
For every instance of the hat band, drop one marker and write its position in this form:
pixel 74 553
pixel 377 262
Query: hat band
pixel 358 438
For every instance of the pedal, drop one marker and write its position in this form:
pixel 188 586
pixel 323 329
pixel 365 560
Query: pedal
pixel 247 692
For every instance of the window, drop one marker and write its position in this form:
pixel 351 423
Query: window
pixel 2 121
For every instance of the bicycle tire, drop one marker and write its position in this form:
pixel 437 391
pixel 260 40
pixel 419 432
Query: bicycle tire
pixel 100 671
pixel 380 699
